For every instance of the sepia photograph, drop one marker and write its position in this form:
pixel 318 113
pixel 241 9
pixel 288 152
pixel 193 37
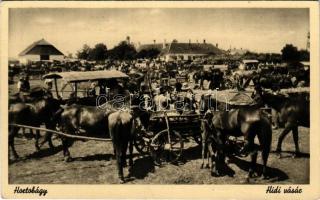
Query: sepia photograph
pixel 159 96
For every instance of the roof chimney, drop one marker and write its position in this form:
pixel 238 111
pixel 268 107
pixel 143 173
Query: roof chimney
pixel 204 41
pixel 189 41
pixel 217 45
pixel 154 41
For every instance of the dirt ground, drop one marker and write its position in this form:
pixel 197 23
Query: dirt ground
pixel 94 164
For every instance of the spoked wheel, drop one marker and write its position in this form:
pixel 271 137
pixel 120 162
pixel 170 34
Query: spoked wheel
pixel 164 151
pixel 142 142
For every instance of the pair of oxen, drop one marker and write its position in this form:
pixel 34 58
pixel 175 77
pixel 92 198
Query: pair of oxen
pixel 289 112
pixel 105 121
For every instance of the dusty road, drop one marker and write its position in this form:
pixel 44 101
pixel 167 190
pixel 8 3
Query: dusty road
pixel 93 164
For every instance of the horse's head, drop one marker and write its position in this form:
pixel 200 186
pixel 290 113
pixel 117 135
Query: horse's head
pixel 204 103
pixel 141 118
pixel 207 123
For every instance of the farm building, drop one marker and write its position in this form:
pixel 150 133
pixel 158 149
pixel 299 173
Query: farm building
pixel 184 51
pixel 40 51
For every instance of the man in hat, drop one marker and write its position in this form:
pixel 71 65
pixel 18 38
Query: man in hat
pixel 49 85
pixel 162 101
pixel 92 90
pixel 257 95
pixel 24 84
pixel 19 84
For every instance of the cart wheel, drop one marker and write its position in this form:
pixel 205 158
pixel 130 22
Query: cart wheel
pixel 164 152
pixel 142 142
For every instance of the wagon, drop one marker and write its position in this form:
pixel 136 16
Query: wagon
pixel 77 83
pixel 164 138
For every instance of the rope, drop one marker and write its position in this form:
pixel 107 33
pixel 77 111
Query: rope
pixel 61 133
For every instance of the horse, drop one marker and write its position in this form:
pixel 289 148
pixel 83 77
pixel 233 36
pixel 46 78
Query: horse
pixel 273 81
pixel 248 121
pixel 201 76
pixel 34 114
pixel 106 121
pixel 215 76
pixel 292 112
pixel 243 77
pixel 28 97
pixel 134 83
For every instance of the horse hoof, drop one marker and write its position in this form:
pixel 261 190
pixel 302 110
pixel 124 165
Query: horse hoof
pixel 215 174
pixel 207 166
pixel 247 180
pixel 121 181
pixel 253 175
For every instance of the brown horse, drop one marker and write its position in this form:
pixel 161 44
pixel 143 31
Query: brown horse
pixel 40 111
pixel 105 122
pixel 292 111
pixel 249 122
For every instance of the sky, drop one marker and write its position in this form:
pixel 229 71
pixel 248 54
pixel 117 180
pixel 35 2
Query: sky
pixel 256 29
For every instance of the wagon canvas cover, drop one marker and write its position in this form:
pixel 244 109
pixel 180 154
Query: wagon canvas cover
pixel 87 75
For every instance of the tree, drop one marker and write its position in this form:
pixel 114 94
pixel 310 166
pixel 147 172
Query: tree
pixel 250 56
pixel 69 55
pixel 304 55
pixel 84 52
pixel 123 51
pixel 98 53
pixel 148 53
pixel 290 53
pixel 275 58
pixel 262 57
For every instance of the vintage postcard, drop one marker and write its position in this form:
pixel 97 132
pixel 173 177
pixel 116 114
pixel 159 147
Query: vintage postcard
pixel 183 100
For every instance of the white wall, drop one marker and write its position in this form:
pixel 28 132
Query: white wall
pixel 168 57
pixel 28 58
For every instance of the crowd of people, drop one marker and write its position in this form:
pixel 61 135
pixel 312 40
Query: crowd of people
pixel 167 82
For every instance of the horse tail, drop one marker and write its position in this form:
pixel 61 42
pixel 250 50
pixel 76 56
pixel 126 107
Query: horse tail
pixel 265 137
pixel 119 124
